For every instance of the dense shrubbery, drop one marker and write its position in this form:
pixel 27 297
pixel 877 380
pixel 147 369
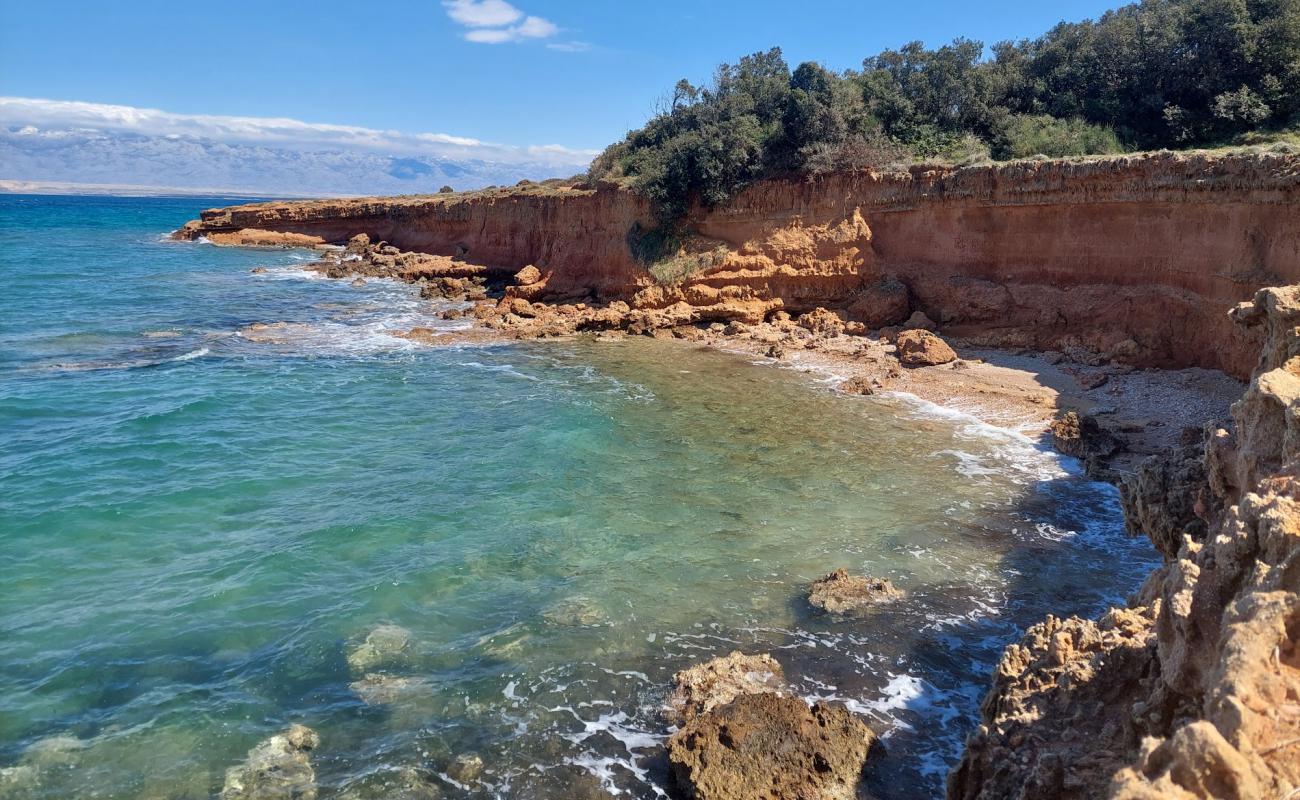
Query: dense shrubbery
pixel 1160 73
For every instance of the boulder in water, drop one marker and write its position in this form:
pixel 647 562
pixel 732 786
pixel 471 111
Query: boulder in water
pixel 465 768
pixel 842 593
pixel 277 769
pixel 771 746
pixel 714 683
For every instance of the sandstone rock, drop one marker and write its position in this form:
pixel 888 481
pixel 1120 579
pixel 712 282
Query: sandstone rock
pixel 919 348
pixel 522 308
pixel 885 302
pixel 855 329
pixel 770 746
pixel 842 593
pixel 277 769
pixel 357 283
pixel 528 276
pixel 714 683
pixel 383 645
pixel 919 322
pixel 775 351
pixel 822 322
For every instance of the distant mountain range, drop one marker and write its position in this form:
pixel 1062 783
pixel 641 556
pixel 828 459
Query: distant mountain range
pixel 182 163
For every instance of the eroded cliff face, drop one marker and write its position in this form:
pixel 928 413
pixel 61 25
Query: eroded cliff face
pixel 1193 691
pixel 1130 257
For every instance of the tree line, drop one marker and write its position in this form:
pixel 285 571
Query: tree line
pixel 1155 74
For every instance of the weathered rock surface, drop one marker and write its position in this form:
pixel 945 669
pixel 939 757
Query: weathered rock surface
pixel 1167 498
pixel 704 687
pixel 842 593
pixel 1123 256
pixel 770 746
pixel 920 348
pixel 1194 690
pixel 277 769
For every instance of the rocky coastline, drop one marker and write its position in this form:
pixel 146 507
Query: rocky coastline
pixel 1190 690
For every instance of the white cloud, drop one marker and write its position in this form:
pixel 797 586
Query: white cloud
pixel 497 22
pixel 570 47
pixel 52 118
pixel 482 13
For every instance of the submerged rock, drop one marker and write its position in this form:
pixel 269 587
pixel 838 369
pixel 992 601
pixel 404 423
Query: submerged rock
pixel 402 784
pixel 376 689
pixel 858 385
pixel 466 768
pixel 714 683
pixel 842 593
pixel 277 769
pixel 920 348
pixel 382 645
pixel 576 611
pixel 771 746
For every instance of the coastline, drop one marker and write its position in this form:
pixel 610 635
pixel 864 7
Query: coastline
pixel 1149 671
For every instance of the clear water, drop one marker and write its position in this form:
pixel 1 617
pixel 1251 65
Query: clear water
pixel 196 529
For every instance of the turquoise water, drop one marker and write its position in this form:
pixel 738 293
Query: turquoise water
pixel 198 527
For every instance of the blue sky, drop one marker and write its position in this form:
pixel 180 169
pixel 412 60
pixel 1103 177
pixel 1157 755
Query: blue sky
pixel 578 74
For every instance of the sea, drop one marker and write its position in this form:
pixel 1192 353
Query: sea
pixel 203 523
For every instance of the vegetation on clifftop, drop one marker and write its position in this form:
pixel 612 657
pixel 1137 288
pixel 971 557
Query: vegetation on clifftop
pixel 1159 73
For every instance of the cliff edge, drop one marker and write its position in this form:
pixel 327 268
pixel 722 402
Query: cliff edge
pixel 1193 689
pixel 1130 258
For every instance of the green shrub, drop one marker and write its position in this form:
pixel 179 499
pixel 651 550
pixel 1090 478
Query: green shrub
pixel 1023 135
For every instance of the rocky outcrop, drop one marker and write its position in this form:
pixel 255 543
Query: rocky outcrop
pixel 770 745
pixel 1130 258
pixel 1168 498
pixel 1193 691
pixel 277 769
pixel 842 593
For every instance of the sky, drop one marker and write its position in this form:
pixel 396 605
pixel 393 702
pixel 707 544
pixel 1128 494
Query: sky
pixel 540 84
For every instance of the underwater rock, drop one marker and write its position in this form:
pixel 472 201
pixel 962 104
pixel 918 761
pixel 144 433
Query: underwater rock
pixel 771 746
pixel 376 689
pixel 403 784
pixel 857 385
pixel 576 611
pixel 842 593
pixel 466 768
pixel 382 645
pixel 717 682
pixel 277 769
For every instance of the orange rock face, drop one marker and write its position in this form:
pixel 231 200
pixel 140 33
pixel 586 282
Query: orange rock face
pixel 1132 257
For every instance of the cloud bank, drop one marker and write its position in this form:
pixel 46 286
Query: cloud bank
pixel 54 140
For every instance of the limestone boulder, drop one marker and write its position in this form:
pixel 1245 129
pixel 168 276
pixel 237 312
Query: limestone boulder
pixel 714 683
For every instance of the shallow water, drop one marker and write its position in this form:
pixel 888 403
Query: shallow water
pixel 198 529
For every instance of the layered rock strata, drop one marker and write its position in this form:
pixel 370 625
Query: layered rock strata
pixel 1129 258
